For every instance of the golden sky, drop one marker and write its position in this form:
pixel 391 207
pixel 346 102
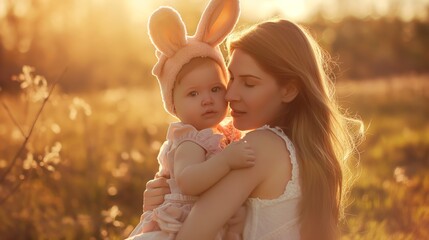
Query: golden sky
pixel 301 10
pixel 297 10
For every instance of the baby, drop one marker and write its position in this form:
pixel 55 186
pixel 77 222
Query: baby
pixel 192 76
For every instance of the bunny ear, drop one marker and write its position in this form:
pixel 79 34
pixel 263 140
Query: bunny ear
pixel 217 21
pixel 167 30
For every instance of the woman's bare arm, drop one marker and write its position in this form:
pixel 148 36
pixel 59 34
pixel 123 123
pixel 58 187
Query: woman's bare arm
pixel 217 205
pixel 220 202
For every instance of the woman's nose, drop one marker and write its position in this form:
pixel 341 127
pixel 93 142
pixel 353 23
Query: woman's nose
pixel 231 93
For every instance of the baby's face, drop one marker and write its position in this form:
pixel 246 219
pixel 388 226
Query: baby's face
pixel 199 97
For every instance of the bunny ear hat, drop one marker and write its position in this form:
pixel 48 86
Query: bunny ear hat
pixel 174 48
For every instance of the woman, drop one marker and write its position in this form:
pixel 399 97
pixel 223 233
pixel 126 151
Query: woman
pixel 280 90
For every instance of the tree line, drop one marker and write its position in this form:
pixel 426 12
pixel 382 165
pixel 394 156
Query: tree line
pixel 102 48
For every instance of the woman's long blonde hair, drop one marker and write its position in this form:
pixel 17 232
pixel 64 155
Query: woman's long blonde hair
pixel 325 138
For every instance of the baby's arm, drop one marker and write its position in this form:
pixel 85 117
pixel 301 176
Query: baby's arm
pixel 194 174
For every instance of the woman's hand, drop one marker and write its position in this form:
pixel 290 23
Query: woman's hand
pixel 235 225
pixel 154 194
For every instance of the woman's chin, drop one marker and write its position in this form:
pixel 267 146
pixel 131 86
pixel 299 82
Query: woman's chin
pixel 240 125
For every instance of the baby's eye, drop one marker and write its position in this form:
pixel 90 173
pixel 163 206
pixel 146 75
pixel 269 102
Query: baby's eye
pixel 193 93
pixel 216 89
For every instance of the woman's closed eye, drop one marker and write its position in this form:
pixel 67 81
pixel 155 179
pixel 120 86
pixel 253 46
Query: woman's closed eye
pixel 250 81
pixel 249 84
pixel 246 81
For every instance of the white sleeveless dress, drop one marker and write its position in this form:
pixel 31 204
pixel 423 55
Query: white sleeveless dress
pixel 276 219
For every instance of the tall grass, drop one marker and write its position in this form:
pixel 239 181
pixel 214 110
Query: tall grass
pixel 391 195
pixel 109 142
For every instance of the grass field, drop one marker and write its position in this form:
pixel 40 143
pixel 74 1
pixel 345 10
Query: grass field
pixel 85 166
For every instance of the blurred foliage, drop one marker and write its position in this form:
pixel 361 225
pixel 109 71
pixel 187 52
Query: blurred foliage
pixel 105 43
pixel 106 144
pixel 366 48
pixel 390 199
pixel 110 140
pixel 83 171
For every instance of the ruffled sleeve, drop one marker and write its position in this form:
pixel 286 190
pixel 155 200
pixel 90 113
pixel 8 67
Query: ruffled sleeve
pixel 206 138
pixel 162 160
pixel 231 134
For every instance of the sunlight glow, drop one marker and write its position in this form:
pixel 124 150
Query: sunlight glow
pixel 3 8
pixel 295 10
pixel 140 10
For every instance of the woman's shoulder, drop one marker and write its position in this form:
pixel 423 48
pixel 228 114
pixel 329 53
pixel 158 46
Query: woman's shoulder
pixel 267 133
pixel 273 161
pixel 267 143
pixel 263 136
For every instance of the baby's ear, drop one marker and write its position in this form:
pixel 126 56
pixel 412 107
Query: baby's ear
pixel 217 21
pixel 167 30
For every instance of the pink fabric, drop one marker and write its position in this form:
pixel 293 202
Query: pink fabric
pixel 169 216
pixel 231 134
pixel 174 48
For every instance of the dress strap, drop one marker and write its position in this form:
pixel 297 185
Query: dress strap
pixel 289 145
pixel 293 188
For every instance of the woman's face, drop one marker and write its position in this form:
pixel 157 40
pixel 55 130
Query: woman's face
pixel 255 97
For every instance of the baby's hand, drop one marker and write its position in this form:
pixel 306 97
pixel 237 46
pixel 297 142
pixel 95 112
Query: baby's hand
pixel 239 155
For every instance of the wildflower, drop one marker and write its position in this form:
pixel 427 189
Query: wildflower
pixel 77 105
pixel 36 87
pixel 51 157
pixel 55 128
pixel 110 216
pixel 16 135
pixel 400 175
pixel 121 171
pixel 29 162
pixel 112 191
pixel 136 156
